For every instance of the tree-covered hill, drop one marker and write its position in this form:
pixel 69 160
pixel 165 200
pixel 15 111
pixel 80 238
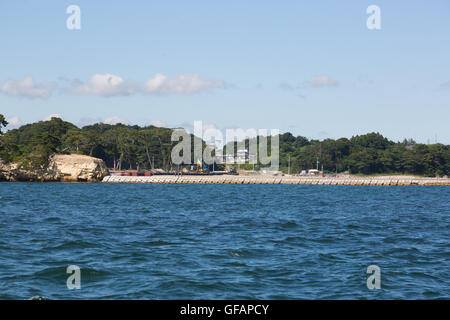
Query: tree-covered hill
pixel 120 146
pixel 367 154
pixel 133 147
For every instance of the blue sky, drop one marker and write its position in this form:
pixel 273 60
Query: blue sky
pixel 308 67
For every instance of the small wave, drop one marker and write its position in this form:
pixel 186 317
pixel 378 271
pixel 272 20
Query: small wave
pixel 289 225
pixel 73 244
pixel 52 219
pixel 235 264
pixel 38 298
pixel 433 295
pixel 330 257
pixel 235 253
pixel 158 243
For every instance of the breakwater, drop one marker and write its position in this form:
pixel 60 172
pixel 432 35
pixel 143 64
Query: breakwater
pixel 233 179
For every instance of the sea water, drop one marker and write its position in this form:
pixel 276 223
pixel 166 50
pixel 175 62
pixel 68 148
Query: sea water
pixel 145 241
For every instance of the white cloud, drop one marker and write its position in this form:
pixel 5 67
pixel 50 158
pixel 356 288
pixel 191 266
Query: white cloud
pixel 115 120
pixel 53 115
pixel 157 123
pixel 108 85
pixel 209 126
pixel 104 85
pixel 14 122
pixel 182 84
pixel 322 81
pixel 26 88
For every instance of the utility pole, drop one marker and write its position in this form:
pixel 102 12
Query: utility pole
pixel 317 166
pixel 289 165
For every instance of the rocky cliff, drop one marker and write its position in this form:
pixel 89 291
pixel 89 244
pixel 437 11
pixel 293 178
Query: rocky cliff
pixel 77 167
pixel 67 168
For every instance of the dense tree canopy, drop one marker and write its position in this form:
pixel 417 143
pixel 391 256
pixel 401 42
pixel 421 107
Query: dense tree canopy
pixel 125 147
pixel 3 123
pixel 120 146
pixel 366 154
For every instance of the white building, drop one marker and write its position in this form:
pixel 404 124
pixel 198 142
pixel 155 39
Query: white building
pixel 242 156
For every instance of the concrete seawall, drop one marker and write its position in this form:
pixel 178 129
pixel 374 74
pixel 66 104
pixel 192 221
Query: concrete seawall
pixel 229 179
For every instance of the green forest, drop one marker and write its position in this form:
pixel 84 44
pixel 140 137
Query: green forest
pixel 125 147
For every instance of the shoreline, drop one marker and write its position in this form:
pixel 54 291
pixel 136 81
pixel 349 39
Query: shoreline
pixel 375 181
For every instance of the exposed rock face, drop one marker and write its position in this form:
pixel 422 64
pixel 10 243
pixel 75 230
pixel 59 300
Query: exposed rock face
pixel 75 167
pixel 13 172
pixel 67 168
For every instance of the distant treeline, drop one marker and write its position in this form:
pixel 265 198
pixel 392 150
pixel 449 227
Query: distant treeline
pixel 367 154
pixel 132 147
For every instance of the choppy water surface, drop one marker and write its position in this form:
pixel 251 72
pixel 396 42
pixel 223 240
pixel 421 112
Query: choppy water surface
pixel 223 241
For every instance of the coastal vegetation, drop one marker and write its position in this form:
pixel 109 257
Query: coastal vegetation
pixel 365 154
pixel 3 123
pixel 124 147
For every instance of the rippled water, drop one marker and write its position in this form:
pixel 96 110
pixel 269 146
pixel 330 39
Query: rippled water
pixel 223 241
